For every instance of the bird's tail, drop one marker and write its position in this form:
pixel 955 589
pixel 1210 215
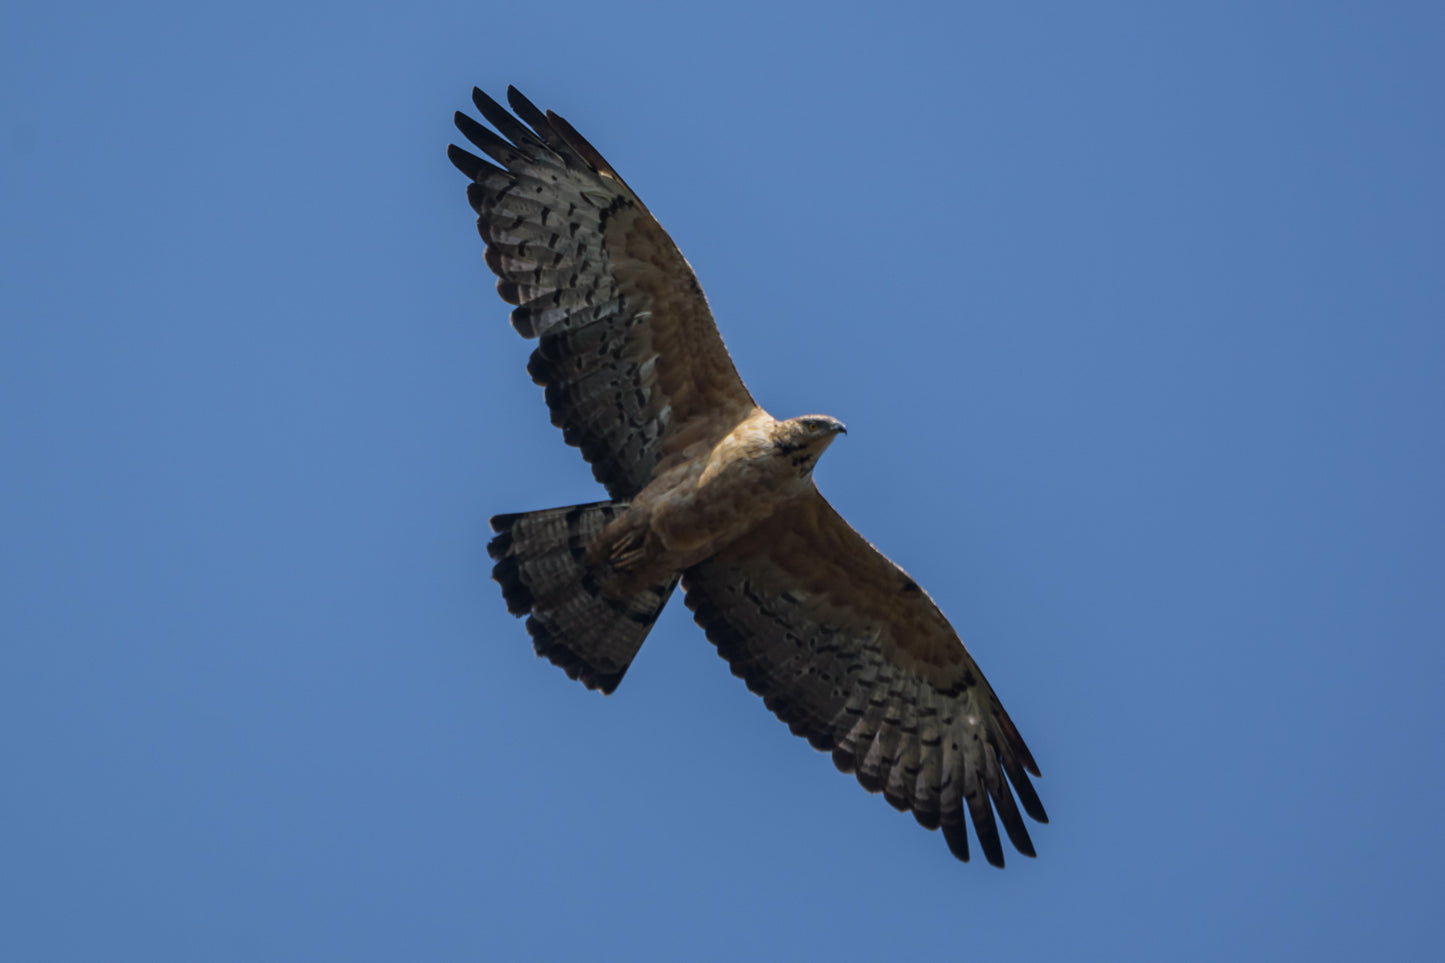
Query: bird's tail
pixel 543 572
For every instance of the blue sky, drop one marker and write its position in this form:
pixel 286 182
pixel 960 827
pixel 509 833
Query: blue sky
pixel 1136 315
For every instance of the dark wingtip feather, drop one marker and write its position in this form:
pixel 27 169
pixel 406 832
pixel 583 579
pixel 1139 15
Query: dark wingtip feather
pixel 1021 840
pixel 540 367
pixel 529 113
pixel 477 200
pixel 898 802
pixel 583 148
pixel 472 130
pixel 491 110
pixel 509 291
pixel 580 144
pixel 506 124
pixel 985 828
pixel 522 323
pixel 484 100
pixel 467 162
pixel 1013 823
pixel 927 818
pixel 820 739
pixel 957 838
pixel 493 145
pixel 1015 741
pixel 871 782
pixel 519 103
pixel 1027 796
pixel 493 258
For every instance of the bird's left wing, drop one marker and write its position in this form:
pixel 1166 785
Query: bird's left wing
pixel 854 656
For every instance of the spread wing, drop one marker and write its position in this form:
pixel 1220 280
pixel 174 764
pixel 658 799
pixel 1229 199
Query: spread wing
pixel 847 650
pixel 635 370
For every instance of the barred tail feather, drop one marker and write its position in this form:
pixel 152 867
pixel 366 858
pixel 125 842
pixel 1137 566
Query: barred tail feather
pixel 540 564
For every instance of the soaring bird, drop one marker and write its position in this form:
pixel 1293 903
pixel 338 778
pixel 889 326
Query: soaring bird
pixel 706 487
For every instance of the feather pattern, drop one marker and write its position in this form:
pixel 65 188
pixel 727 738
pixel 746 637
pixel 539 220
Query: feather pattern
pixel 541 567
pixel 844 647
pixel 629 350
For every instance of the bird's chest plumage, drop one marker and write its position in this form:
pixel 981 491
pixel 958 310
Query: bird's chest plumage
pixel 696 509
pixel 708 510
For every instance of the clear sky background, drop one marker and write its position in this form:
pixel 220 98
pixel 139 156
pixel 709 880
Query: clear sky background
pixel 1136 315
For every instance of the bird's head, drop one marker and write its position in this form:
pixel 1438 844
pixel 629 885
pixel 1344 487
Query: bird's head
pixel 803 439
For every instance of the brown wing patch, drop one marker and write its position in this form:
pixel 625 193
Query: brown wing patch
pixel 635 370
pixel 849 579
pixel 848 651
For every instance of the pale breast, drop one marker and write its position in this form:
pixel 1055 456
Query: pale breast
pixel 744 482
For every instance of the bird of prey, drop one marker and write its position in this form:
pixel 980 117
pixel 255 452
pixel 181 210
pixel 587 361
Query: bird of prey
pixel 706 487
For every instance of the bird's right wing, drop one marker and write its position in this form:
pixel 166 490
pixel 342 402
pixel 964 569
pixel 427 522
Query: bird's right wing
pixel 636 374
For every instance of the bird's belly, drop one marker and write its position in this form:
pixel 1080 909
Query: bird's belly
pixel 694 521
